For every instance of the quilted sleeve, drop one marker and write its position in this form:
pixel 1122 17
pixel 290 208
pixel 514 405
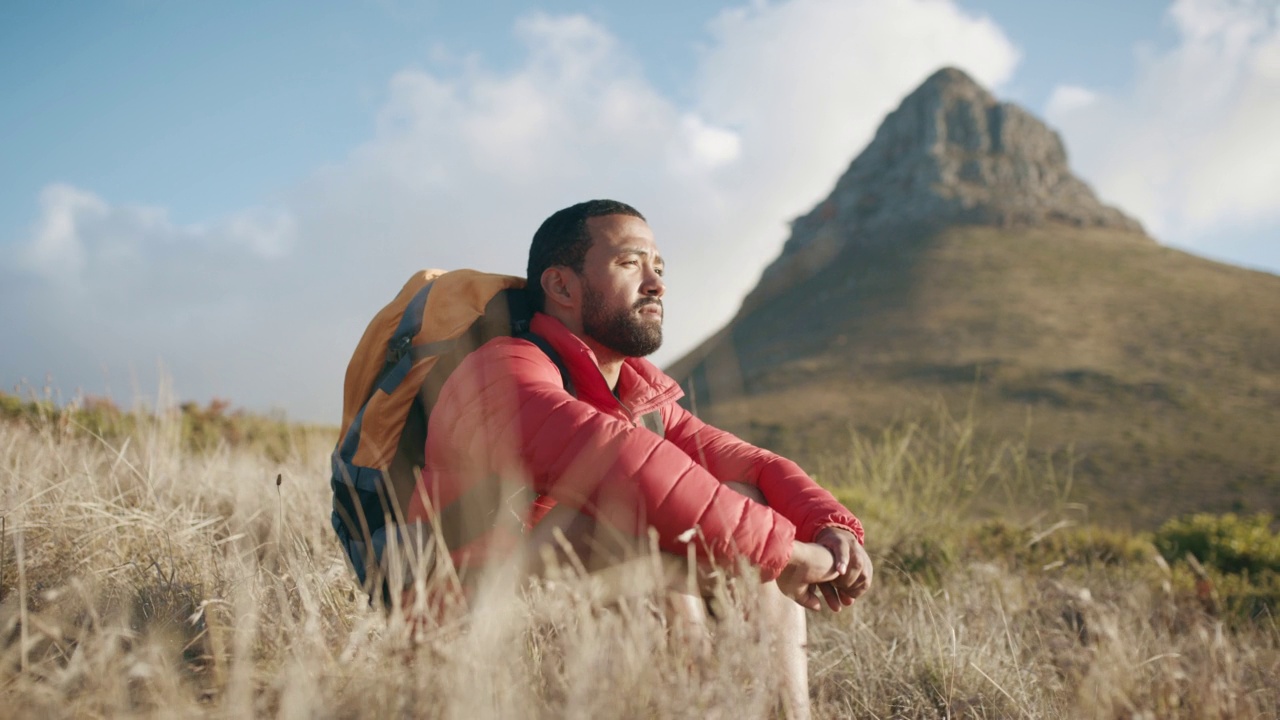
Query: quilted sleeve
pixel 786 487
pixel 505 410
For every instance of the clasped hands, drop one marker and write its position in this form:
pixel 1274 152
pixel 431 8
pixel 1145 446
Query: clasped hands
pixel 834 567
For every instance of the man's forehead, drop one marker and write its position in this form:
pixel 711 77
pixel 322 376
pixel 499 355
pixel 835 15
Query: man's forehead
pixel 616 234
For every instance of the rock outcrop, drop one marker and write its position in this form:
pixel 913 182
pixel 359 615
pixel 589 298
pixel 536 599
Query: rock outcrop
pixel 959 270
pixel 951 154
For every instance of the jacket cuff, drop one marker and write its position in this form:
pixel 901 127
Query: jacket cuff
pixel 842 521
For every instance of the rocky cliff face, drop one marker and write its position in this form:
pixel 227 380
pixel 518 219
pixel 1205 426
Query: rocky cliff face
pixel 951 154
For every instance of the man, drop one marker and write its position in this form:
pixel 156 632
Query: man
pixel 595 278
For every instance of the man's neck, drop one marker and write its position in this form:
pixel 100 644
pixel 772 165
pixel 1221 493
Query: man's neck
pixel 610 362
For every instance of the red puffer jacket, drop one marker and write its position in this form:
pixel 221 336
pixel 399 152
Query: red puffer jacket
pixel 504 412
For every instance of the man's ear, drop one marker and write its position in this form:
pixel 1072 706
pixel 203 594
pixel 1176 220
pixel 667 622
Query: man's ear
pixel 559 286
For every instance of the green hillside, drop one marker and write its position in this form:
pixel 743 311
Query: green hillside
pixel 1156 373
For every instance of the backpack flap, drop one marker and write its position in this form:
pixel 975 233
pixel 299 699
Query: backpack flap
pixel 450 304
pixel 370 356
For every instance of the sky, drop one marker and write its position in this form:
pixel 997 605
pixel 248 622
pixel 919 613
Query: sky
pixel 206 200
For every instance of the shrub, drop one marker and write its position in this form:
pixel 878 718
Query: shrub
pixel 200 430
pixel 1235 562
pixel 1228 543
pixel 1063 544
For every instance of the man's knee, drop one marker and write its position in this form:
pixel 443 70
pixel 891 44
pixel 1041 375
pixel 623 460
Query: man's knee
pixel 569 538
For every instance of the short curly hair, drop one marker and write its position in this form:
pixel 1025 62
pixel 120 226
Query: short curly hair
pixel 562 239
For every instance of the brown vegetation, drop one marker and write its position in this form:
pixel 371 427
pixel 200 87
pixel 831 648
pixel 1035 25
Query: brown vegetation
pixel 143 574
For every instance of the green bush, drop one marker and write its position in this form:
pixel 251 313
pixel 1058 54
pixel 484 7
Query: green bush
pixel 10 406
pixel 1084 545
pixel 1228 543
pixel 13 407
pixel 1237 568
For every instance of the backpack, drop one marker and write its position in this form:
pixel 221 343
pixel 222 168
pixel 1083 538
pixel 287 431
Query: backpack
pixel 402 361
pixel 394 377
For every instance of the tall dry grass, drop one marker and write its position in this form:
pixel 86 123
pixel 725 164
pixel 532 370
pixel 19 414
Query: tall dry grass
pixel 141 578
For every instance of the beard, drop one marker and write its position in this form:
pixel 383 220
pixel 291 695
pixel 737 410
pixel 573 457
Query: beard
pixel 622 330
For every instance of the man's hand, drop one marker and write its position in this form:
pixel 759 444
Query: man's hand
pixel 852 565
pixel 809 566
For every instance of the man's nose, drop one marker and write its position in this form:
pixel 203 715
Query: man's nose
pixel 653 284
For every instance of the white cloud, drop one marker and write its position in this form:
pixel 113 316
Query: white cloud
pixel 123 288
pixel 707 147
pixel 55 249
pixel 266 233
pixel 80 237
pixel 1069 98
pixel 265 306
pixel 1192 150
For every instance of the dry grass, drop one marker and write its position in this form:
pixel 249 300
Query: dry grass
pixel 140 578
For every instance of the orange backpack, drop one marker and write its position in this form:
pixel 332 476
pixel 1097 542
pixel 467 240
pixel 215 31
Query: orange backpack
pixel 393 380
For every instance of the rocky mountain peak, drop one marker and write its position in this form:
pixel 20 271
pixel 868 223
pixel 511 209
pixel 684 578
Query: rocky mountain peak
pixel 950 154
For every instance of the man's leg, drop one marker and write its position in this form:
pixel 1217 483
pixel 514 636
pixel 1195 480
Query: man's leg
pixel 789 627
pixel 569 541
pixel 568 538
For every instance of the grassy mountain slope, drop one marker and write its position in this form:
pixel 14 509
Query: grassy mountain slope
pixel 1157 372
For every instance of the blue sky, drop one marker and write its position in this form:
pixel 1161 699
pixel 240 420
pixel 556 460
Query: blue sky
pixel 230 189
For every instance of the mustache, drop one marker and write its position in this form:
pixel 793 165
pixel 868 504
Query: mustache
pixel 647 301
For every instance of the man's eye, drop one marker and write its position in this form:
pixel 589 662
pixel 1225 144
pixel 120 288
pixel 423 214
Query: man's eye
pixel 660 271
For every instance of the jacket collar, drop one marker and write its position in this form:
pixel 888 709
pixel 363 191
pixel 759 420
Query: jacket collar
pixel 642 387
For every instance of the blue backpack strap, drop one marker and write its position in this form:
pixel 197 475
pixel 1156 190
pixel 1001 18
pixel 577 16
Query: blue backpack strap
pixel 400 358
pixel 410 324
pixel 653 421
pixel 550 352
pixel 520 310
pixel 359 494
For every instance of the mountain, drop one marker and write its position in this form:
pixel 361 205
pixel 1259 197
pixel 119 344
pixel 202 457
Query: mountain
pixel 959 258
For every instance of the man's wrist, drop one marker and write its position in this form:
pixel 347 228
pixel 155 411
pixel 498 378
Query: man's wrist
pixel 796 556
pixel 838 526
pixel 805 554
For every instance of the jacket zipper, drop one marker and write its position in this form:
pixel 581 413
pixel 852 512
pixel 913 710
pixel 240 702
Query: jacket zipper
pixel 631 415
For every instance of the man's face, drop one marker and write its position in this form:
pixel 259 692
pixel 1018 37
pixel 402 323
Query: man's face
pixel 622 286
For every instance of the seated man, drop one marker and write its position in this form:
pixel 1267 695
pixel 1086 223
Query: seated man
pixel 606 451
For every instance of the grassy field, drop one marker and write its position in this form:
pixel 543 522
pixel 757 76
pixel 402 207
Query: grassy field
pixel 161 569
pixel 1157 371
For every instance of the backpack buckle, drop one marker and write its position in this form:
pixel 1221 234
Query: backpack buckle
pixel 398 348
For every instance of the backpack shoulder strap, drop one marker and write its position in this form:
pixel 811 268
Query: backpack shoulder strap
pixel 545 347
pixel 653 421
